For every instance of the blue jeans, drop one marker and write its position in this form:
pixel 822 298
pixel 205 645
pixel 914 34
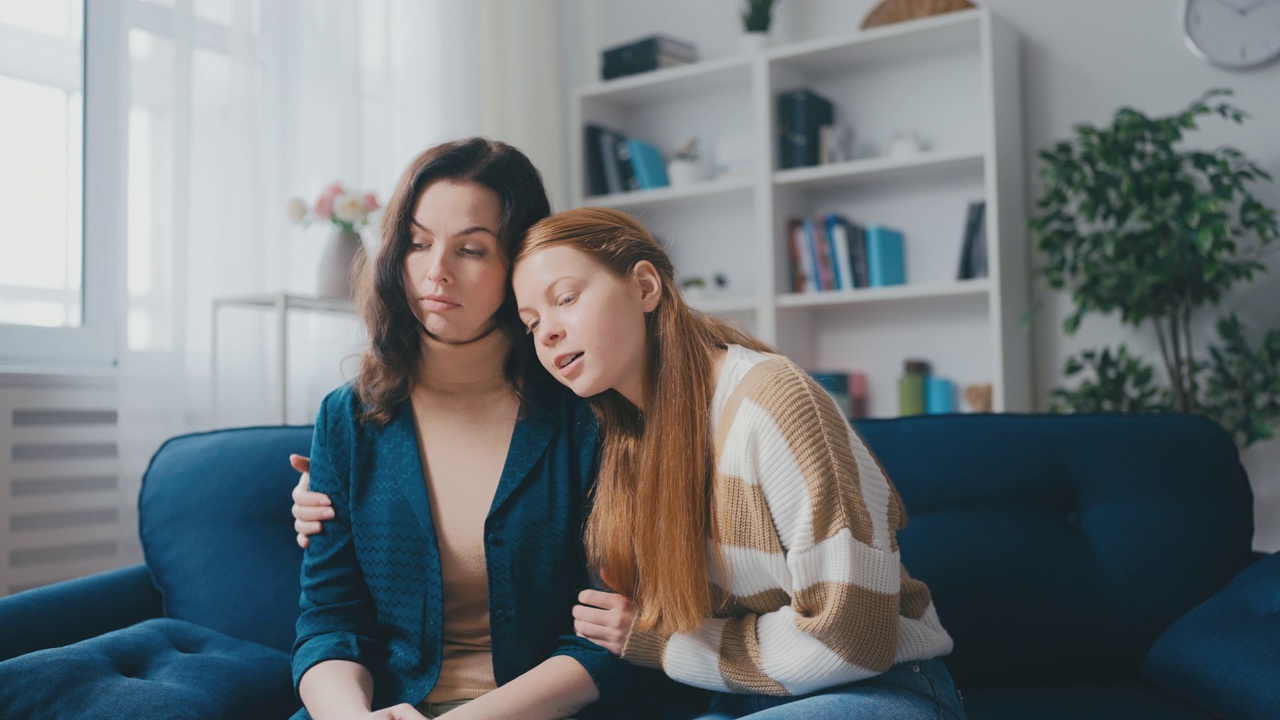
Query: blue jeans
pixel 907 691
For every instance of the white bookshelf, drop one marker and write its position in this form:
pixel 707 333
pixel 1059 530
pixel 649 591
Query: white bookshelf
pixel 952 79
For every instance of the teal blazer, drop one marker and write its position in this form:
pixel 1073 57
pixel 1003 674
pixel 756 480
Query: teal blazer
pixel 371 583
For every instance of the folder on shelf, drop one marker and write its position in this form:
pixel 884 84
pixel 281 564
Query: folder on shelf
pixel 647 164
pixel 885 262
pixel 838 236
pixel 801 115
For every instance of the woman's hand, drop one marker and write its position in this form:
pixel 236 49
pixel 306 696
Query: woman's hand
pixel 604 618
pixel 403 711
pixel 309 508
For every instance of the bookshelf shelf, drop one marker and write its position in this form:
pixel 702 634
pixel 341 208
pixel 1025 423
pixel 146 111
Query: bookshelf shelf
pixel 958 288
pixel 952 80
pixel 639 199
pixel 724 305
pixel 669 83
pixel 879 169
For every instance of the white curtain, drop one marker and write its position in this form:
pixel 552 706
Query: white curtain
pixel 237 106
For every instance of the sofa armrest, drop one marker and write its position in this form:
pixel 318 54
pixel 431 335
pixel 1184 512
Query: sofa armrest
pixel 74 610
pixel 1222 655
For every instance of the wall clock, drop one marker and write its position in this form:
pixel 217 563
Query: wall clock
pixel 1233 33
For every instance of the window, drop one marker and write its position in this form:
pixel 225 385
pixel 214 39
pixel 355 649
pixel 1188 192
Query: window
pixel 60 217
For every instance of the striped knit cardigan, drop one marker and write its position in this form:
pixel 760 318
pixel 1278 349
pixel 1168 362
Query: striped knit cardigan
pixel 816 595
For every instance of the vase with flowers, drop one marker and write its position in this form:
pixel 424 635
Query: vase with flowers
pixel 348 212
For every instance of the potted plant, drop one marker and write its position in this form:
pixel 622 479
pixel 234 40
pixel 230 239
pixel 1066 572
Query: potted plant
pixel 1132 222
pixel 683 168
pixel 757 16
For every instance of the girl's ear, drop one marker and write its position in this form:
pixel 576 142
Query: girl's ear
pixel 649 283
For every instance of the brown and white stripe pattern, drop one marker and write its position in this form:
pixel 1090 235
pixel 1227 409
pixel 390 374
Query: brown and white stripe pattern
pixel 816 592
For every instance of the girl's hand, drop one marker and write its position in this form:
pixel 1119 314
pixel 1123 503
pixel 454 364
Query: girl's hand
pixel 604 618
pixel 309 508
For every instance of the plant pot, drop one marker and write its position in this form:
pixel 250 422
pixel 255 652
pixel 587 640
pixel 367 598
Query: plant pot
pixel 683 172
pixel 334 278
pixel 754 42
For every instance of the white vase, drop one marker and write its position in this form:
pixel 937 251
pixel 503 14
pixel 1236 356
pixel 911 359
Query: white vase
pixel 754 42
pixel 334 278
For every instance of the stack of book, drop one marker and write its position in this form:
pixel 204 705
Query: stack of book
pixel 650 53
pixel 836 254
pixel 617 163
pixel 802 113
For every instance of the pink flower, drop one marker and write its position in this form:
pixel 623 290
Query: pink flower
pixel 370 202
pixel 324 206
pixel 334 190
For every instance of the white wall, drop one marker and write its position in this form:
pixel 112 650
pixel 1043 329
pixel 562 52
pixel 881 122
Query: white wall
pixel 1081 61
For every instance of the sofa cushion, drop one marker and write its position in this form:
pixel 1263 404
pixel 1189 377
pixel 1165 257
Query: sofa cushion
pixel 1225 654
pixel 156 669
pixel 1096 702
pixel 215 527
pixel 1063 545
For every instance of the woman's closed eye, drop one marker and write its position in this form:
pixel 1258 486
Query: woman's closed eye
pixel 531 327
pixel 567 298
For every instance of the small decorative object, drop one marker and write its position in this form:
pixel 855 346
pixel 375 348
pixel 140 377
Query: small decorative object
pixel 683 168
pixel 911 387
pixel 1232 35
pixel 757 15
pixel 348 213
pixel 1134 223
pixel 893 11
pixel 835 144
pixel 906 144
pixel 978 397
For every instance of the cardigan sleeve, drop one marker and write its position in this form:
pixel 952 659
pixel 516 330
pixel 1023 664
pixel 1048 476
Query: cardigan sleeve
pixel 338 616
pixel 807 532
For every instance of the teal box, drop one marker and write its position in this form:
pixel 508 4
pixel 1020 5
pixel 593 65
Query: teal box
pixel 885 262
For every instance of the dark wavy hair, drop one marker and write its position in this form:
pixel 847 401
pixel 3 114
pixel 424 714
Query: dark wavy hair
pixel 388 364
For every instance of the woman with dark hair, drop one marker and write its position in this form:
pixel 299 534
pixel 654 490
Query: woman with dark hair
pixel 458 474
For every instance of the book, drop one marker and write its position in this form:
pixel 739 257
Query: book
pixel 597 182
pixel 813 272
pixel 858 254
pixel 801 115
pixel 973 247
pixel 649 53
pixel 885 261
pixel 838 234
pixel 647 164
pixel 622 164
pixel 805 270
pixel 795 231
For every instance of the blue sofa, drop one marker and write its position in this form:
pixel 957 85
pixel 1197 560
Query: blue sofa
pixel 1087 567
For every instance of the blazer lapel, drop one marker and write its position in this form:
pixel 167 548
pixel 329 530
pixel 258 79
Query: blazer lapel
pixel 404 462
pixel 529 441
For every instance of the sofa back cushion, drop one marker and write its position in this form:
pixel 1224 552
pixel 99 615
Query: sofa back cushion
pixel 1061 546
pixel 216 532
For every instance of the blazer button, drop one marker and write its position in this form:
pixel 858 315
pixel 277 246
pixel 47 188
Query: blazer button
pixel 495 539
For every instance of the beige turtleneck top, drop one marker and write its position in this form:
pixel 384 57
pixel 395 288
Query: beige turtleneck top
pixel 465 414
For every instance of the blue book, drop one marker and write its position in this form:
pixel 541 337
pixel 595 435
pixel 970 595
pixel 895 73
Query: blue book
pixel 885 263
pixel 647 162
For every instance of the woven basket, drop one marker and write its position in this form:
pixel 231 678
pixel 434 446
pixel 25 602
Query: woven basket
pixel 892 11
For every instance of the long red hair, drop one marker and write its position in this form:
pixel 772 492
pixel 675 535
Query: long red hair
pixel 651 524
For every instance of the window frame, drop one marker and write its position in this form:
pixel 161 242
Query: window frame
pixel 95 343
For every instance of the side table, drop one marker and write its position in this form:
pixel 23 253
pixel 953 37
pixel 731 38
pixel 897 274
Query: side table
pixel 282 304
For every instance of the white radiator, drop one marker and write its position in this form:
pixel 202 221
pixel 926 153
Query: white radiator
pixel 64 509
